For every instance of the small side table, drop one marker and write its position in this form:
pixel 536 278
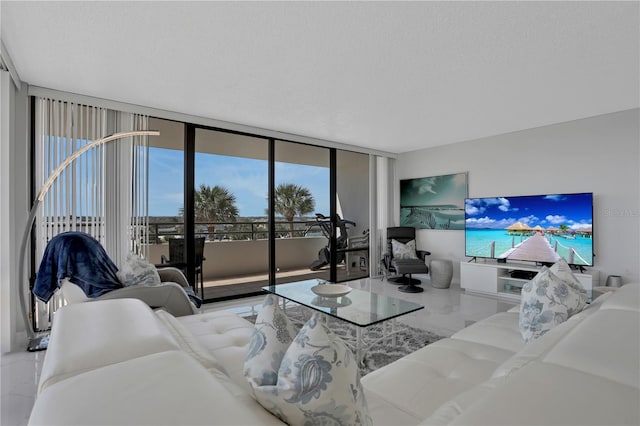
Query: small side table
pixel 441 272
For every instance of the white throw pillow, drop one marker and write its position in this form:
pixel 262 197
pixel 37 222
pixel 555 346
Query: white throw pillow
pixel 546 301
pixel 318 381
pixel 563 271
pixel 404 251
pixel 272 334
pixel 136 271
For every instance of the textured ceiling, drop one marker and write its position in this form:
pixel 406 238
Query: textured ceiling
pixel 392 76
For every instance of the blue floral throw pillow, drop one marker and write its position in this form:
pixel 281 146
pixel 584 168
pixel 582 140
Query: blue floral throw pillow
pixel 272 334
pixel 318 382
pixel 563 271
pixel 547 301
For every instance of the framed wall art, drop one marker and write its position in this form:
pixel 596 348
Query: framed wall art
pixel 435 202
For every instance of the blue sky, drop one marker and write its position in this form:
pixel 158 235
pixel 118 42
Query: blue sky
pixel 246 178
pixel 573 210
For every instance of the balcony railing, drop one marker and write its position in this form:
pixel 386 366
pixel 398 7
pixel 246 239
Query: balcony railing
pixel 242 230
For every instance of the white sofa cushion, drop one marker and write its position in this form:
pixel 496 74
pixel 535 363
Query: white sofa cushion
pixel 87 336
pixel 562 270
pixel 535 349
pixel 596 347
pixel 625 298
pixel 166 388
pixel 499 330
pixel 417 384
pixel 318 381
pixel 226 337
pixel 547 394
pixel 188 342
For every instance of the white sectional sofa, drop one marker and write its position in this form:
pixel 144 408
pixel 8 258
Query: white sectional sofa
pixel 117 362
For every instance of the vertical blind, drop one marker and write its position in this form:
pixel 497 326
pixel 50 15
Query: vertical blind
pixel 102 193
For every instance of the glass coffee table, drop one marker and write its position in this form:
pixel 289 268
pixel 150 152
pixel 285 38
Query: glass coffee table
pixel 359 307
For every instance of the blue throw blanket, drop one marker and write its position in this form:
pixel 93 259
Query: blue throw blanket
pixel 80 258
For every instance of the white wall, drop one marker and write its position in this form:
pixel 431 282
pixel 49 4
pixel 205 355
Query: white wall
pixel 599 154
pixel 353 189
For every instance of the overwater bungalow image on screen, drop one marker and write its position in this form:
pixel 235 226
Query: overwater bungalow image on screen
pixel 535 228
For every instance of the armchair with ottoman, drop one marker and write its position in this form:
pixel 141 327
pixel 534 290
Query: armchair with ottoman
pixel 118 362
pixel 403 258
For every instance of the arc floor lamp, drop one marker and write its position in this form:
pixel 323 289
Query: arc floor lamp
pixel 41 342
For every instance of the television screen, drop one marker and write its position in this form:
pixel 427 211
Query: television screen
pixel 536 228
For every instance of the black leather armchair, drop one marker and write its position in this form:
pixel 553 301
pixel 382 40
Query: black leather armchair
pixel 405 266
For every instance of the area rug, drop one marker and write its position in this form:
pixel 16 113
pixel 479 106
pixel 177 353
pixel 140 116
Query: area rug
pixel 407 340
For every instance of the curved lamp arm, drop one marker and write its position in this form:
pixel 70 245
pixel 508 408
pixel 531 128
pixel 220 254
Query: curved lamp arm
pixel 45 188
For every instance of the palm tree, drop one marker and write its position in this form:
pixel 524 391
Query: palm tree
pixel 215 204
pixel 292 199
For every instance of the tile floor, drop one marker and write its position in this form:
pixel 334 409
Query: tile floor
pixel 446 311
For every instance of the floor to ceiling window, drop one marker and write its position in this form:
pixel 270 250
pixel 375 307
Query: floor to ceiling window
pixel 229 183
pixel 352 204
pixel 302 211
pixel 213 186
pixel 230 212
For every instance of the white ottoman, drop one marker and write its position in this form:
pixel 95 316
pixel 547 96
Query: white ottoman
pixel 441 272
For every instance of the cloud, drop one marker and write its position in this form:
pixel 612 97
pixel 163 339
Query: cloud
pixel 423 189
pixel 488 223
pixel 558 197
pixel 475 206
pixel 556 219
pixel 530 220
pixel 480 222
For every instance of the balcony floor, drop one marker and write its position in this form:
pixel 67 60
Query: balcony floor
pixel 231 287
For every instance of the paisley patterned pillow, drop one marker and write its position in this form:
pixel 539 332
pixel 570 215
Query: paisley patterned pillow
pixel 546 301
pixel 272 334
pixel 318 381
pixel 404 251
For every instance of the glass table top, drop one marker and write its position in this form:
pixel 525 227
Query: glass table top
pixel 359 307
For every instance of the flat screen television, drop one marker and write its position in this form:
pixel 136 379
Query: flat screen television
pixel 534 228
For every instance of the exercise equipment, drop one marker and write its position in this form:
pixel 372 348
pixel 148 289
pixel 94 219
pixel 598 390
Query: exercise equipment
pixel 326 226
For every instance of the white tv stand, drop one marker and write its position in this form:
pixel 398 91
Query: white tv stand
pixel 490 277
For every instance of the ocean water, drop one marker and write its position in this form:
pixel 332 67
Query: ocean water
pixel 478 243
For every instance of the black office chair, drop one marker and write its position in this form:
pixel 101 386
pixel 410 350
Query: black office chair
pixel 404 234
pixel 178 258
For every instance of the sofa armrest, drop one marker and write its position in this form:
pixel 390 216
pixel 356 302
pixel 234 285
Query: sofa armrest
pixel 173 275
pixel 169 296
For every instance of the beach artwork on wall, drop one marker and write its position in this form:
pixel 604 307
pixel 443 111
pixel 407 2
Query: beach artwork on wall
pixel 435 202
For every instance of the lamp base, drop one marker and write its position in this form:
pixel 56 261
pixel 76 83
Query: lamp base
pixel 38 344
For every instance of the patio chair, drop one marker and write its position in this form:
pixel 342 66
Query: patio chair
pixel 178 258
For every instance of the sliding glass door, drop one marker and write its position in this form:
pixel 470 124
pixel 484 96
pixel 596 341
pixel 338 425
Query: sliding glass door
pixel 230 212
pixel 212 188
pixel 301 211
pixel 352 207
